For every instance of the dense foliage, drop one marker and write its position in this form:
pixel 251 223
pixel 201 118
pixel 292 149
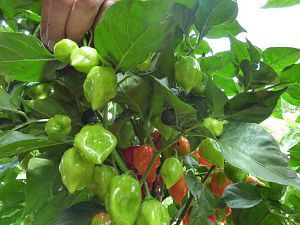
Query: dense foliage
pixel 150 121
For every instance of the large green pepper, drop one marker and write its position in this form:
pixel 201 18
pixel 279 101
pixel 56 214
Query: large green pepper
pixel 58 127
pixel 123 200
pixel 101 178
pixel 75 170
pixel 188 73
pixel 64 49
pixel 171 171
pixel 153 212
pixel 84 59
pixel 211 152
pixel 100 86
pixel 95 143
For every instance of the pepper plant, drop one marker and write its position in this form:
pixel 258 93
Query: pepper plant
pixel 143 124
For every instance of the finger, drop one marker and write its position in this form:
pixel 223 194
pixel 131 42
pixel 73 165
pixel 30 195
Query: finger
pixel 45 13
pixel 81 18
pixel 57 21
pixel 105 5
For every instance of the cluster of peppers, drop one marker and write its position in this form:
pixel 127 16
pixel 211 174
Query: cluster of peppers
pixel 82 165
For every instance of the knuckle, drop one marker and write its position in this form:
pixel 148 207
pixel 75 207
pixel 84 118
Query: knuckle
pixel 87 4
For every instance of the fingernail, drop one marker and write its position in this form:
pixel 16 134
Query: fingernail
pixel 51 45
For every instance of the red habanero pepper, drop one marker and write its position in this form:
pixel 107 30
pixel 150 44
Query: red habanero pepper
pixel 202 161
pixel 128 156
pixel 178 190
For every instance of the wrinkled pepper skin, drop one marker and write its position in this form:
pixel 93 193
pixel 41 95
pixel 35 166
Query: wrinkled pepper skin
pixel 178 190
pixel 58 127
pixel 75 170
pixel 123 200
pixel 101 218
pixel 142 157
pixel 171 171
pixel 153 212
pixel 84 59
pixel 64 49
pixel 100 86
pixel 182 146
pixel 210 152
pixel 215 126
pixel 101 177
pixel 128 156
pixel 95 143
pixel 188 73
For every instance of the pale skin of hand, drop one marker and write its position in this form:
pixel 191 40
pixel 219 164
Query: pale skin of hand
pixel 70 19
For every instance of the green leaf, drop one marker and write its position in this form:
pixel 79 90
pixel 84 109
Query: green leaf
pixel 239 50
pixel 15 142
pixel 248 142
pixel 291 77
pixel 5 104
pixel 215 12
pixel 255 53
pixel 259 214
pixel 281 57
pixel 294 154
pixel 258 77
pixel 131 30
pixel 252 107
pixel 79 214
pixel 183 16
pixel 41 175
pixel 280 3
pixel 223 30
pixel 241 195
pixel 24 58
pixel 216 99
pixel 292 198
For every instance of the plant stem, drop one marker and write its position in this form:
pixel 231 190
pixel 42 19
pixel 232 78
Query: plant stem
pixel 119 161
pixel 28 123
pixel 189 201
pixel 156 154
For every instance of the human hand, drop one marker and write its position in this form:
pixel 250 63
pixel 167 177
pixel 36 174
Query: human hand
pixel 70 19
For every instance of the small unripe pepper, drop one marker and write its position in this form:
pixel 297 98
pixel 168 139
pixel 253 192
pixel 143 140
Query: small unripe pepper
pixel 84 59
pixel 214 125
pixel 64 49
pixel 210 151
pixel 171 171
pixel 58 127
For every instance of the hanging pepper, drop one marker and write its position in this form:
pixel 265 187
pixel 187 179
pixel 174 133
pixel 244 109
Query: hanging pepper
pixel 188 73
pixel 128 156
pixel 219 182
pixel 235 174
pixel 84 59
pixel 171 171
pixel 75 170
pixel 95 143
pixel 182 146
pixel 142 157
pixel 123 200
pixel 153 212
pixel 58 127
pixel 211 152
pixel 100 86
pixel 64 49
pixel 101 177
pixel 178 190
pixel 101 218
pixel 215 126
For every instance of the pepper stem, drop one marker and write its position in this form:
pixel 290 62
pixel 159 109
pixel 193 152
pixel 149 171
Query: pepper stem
pixel 148 193
pixel 119 161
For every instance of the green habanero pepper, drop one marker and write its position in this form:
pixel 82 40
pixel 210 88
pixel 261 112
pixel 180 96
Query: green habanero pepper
pixel 171 171
pixel 95 143
pixel 58 127
pixel 214 125
pixel 153 212
pixel 211 152
pixel 101 178
pixel 64 49
pixel 84 59
pixel 100 86
pixel 75 170
pixel 123 199
pixel 188 73
pixel 235 174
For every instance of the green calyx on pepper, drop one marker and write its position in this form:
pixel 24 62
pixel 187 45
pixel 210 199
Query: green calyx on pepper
pixel 75 170
pixel 84 59
pixel 215 126
pixel 153 212
pixel 171 171
pixel 211 152
pixel 101 177
pixel 58 127
pixel 64 49
pixel 95 143
pixel 123 200
pixel 188 73
pixel 100 86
